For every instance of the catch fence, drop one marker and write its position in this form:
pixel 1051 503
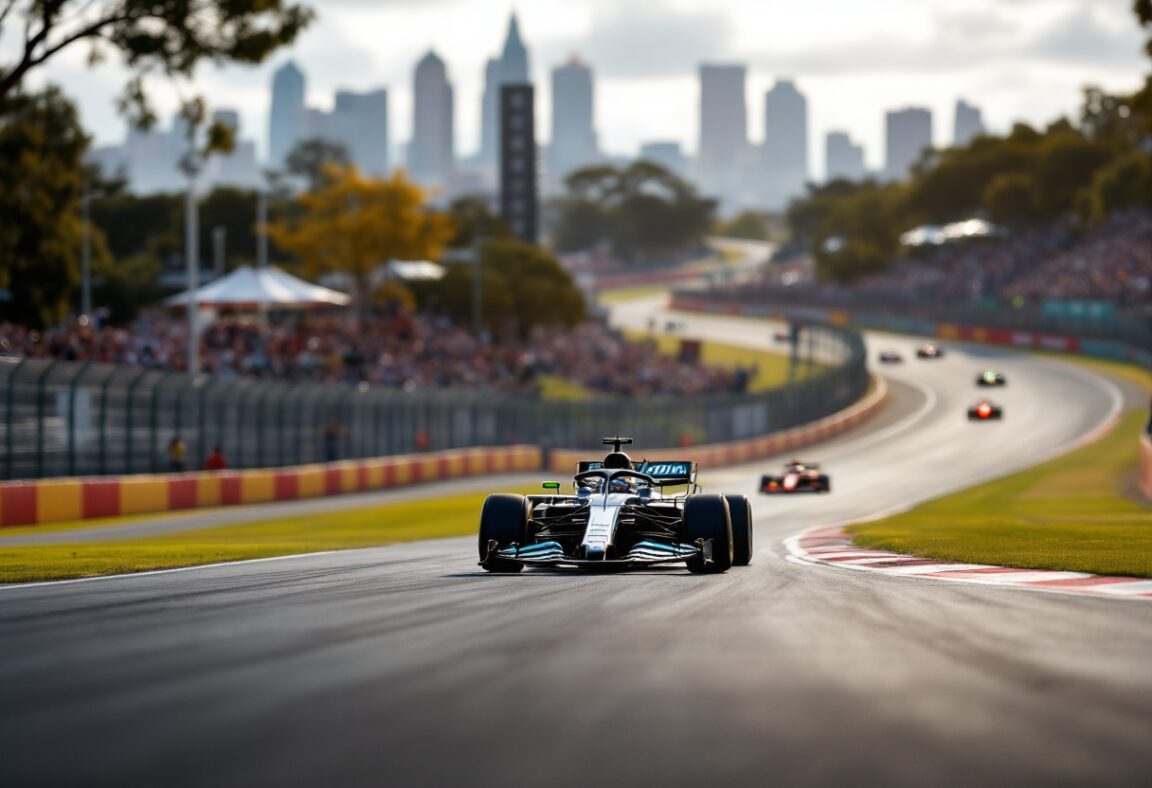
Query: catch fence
pixel 66 418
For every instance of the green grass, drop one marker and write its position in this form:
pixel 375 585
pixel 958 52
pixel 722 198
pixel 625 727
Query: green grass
pixel 617 295
pixel 557 389
pixel 771 368
pixel 369 527
pixel 1071 513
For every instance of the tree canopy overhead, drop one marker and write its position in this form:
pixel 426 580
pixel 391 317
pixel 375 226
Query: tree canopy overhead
pixel 169 37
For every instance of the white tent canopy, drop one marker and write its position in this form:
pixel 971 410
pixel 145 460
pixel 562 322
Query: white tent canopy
pixel 250 287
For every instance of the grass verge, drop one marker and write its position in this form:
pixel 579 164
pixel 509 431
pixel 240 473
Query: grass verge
pixel 369 527
pixel 771 369
pixel 1070 513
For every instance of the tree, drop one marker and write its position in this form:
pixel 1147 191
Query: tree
pixel 1125 183
pixel 170 37
pixel 308 159
pixel 42 172
pixel 1143 11
pixel 352 225
pixel 473 222
pixel 748 224
pixel 645 211
pixel 522 288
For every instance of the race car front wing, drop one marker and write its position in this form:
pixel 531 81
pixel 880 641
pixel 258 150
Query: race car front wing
pixel 551 553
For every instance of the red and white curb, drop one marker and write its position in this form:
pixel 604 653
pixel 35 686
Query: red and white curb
pixel 832 546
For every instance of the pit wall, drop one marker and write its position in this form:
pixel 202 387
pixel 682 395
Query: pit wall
pixel 1146 466
pixel 63 500
pixel 66 500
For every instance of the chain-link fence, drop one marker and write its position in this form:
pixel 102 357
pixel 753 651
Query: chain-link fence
pixel 60 418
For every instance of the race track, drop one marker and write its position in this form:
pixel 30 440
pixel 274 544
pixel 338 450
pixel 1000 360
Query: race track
pixel 408 665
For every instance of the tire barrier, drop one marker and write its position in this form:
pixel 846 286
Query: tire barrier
pixel 65 500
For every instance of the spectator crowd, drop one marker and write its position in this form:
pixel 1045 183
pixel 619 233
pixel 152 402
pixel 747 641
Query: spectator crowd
pixel 400 349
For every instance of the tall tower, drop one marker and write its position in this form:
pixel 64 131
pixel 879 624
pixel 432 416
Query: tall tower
pixel 432 153
pixel 287 115
pixel 573 142
pixel 723 129
pixel 785 153
pixel 360 122
pixel 518 192
pixel 968 123
pixel 907 132
pixel 511 68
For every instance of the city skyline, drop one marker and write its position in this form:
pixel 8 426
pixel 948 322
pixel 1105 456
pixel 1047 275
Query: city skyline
pixel 850 67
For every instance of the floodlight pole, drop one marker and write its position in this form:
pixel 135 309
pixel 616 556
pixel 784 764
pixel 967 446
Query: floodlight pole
pixel 86 252
pixel 219 234
pixel 191 264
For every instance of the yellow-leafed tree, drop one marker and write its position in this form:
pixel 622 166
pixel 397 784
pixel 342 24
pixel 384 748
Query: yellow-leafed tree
pixel 352 224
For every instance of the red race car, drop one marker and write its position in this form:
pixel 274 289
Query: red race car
pixel 985 411
pixel 929 350
pixel 798 477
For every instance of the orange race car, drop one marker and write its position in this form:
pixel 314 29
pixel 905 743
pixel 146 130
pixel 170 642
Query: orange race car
pixel 985 411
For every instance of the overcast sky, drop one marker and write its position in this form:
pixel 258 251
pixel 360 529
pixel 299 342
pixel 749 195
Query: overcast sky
pixel 1016 59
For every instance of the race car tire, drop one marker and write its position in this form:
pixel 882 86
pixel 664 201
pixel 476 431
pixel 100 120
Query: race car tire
pixel 505 519
pixel 740 513
pixel 826 484
pixel 706 517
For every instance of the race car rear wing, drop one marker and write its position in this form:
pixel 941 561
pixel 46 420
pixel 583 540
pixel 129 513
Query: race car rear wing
pixel 666 473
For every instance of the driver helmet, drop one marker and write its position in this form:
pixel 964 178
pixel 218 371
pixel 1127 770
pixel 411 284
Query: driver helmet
pixel 619 485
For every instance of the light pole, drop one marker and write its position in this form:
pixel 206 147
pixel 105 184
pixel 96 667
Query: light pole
pixel 86 252
pixel 191 166
pixel 219 234
pixel 477 285
pixel 261 229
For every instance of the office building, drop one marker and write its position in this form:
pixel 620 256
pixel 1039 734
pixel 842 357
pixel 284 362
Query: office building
pixel 723 130
pixel 667 154
pixel 518 187
pixel 968 123
pixel 907 134
pixel 784 159
pixel 432 150
pixel 511 68
pixel 287 114
pixel 843 158
pixel 573 142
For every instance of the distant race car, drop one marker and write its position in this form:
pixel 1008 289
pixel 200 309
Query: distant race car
pixel 929 350
pixel 620 517
pixel 991 377
pixel 985 411
pixel 891 357
pixel 798 476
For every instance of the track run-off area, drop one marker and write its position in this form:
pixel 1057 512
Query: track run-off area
pixel 409 665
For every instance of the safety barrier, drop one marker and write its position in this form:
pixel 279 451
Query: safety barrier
pixel 64 500
pixel 1146 466
pixel 735 452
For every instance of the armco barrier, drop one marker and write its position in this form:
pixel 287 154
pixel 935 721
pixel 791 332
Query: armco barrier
pixel 736 452
pixel 63 500
pixel 1146 466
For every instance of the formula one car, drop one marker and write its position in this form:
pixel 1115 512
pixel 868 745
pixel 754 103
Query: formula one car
pixel 991 377
pixel 929 350
pixel 985 411
pixel 620 517
pixel 891 357
pixel 798 477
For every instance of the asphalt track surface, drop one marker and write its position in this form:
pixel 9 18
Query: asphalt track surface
pixel 407 666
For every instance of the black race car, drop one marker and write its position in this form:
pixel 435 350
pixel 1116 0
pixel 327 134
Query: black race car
pixel 620 517
pixel 929 350
pixel 991 377
pixel 891 357
pixel 985 411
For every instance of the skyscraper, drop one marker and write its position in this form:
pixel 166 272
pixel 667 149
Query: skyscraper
pixel 573 142
pixel 843 158
pixel 511 68
pixel 723 129
pixel 785 152
pixel 432 151
pixel 907 133
pixel 285 121
pixel 667 154
pixel 239 167
pixel 968 124
pixel 359 121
